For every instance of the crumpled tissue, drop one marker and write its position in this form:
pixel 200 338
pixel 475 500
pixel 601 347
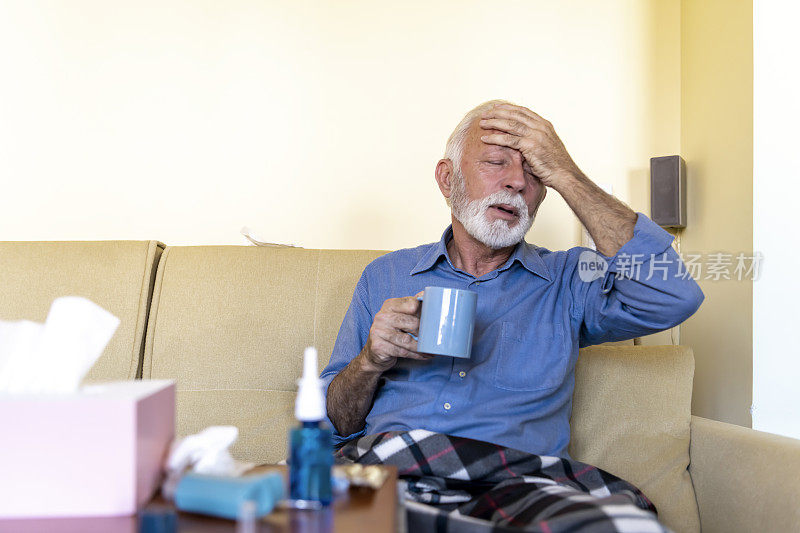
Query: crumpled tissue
pixel 55 356
pixel 204 453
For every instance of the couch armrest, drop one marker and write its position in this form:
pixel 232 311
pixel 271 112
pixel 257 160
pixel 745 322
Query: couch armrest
pixel 744 480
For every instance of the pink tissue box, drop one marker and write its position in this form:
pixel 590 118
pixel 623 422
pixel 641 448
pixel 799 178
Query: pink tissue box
pixel 97 452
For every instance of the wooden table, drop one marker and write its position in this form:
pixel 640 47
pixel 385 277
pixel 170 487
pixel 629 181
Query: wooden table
pixel 361 510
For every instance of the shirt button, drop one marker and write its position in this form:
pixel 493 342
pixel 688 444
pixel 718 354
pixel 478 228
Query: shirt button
pixel 447 406
pixel 462 374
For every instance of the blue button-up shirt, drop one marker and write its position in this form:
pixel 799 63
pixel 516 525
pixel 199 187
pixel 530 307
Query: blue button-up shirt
pixel 534 312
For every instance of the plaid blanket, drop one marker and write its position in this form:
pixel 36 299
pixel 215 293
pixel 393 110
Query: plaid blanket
pixel 465 485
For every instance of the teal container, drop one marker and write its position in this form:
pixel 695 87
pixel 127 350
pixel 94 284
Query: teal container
pixel 224 496
pixel 310 463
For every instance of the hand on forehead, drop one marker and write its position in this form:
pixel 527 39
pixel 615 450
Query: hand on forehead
pixel 483 149
pixel 477 131
pixel 521 129
pixel 512 119
pixel 523 115
pixel 508 118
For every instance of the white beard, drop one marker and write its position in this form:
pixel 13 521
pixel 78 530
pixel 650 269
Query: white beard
pixel 497 233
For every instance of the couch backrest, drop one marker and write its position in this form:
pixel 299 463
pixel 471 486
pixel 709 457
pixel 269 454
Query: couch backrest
pixel 229 324
pixel 116 275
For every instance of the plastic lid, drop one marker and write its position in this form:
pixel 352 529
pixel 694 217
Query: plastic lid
pixel 310 403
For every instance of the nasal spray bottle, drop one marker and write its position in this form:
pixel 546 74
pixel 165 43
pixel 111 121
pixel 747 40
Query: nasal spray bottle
pixel 310 444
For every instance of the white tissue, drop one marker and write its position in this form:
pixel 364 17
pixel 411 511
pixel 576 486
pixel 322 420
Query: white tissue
pixel 205 453
pixel 255 241
pixel 55 356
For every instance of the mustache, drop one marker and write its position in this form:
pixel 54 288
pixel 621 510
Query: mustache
pixel 505 197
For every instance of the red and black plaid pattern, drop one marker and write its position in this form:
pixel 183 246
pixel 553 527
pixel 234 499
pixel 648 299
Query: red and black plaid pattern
pixel 471 485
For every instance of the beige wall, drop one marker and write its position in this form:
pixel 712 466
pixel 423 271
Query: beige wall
pixel 315 123
pixel 319 123
pixel 717 143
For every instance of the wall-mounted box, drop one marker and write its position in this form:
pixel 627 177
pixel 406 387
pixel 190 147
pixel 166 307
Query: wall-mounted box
pixel 668 191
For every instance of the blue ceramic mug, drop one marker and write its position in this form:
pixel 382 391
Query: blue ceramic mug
pixel 447 321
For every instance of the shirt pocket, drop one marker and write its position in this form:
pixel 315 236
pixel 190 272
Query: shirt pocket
pixel 531 357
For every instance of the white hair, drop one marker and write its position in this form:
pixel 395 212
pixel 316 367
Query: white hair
pixel 454 150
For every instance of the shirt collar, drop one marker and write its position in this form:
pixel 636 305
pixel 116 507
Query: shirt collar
pixel 526 253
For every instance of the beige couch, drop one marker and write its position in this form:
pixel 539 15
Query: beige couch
pixel 229 324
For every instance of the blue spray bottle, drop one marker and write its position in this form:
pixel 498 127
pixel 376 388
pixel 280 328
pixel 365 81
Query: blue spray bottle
pixel 310 444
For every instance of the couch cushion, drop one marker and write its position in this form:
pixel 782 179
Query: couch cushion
pixel 229 324
pixel 631 416
pixel 116 275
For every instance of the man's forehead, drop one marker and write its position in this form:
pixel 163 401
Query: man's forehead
pixel 493 148
pixel 476 132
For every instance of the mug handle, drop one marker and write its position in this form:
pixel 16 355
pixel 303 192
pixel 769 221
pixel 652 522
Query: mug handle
pixel 412 335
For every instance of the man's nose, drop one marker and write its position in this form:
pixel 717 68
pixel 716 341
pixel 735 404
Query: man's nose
pixel 515 178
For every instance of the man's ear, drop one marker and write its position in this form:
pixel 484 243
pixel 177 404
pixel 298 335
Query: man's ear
pixel 444 176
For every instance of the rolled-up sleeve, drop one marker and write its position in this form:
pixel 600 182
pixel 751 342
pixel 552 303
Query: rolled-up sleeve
pixel 645 289
pixel 351 340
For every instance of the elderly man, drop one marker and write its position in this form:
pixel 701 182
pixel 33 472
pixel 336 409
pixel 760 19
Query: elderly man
pixel 534 309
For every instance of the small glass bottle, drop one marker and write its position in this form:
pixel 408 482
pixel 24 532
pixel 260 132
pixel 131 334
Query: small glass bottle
pixel 310 444
pixel 310 465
